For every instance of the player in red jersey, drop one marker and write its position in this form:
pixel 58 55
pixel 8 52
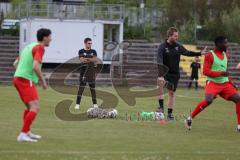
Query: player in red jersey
pixel 28 72
pixel 218 81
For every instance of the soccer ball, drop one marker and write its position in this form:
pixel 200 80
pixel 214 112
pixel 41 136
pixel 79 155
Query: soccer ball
pixel 159 116
pixel 113 113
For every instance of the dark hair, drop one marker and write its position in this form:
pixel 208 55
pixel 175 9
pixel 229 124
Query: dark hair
pixel 43 32
pixel 171 30
pixel 219 39
pixel 87 40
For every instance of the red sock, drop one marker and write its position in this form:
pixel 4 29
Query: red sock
pixel 201 106
pixel 25 114
pixel 238 112
pixel 28 121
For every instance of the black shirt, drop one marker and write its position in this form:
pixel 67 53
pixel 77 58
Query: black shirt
pixel 195 67
pixel 87 53
pixel 170 54
pixel 87 69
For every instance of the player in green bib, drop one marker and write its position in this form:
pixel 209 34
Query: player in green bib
pixel 218 81
pixel 28 73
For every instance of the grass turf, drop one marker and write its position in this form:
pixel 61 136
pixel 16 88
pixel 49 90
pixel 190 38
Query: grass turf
pixel 213 135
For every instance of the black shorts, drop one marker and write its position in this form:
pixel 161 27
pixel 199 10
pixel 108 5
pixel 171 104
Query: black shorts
pixel 173 81
pixel 87 75
pixel 194 77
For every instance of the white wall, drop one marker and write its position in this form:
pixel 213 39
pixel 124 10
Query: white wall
pixel 67 37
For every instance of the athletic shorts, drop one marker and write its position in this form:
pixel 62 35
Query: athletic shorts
pixel 194 77
pixel 225 90
pixel 26 89
pixel 87 75
pixel 172 81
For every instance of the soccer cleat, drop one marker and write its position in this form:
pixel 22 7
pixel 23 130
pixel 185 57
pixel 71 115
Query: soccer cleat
pixel 238 128
pixel 77 106
pixel 95 106
pixel 188 123
pixel 170 117
pixel 23 137
pixel 34 136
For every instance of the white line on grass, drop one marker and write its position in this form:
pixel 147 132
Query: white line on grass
pixel 112 152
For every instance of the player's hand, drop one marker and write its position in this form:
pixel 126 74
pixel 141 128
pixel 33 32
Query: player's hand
pixel 161 81
pixel 238 66
pixel 44 84
pixel 204 51
pixel 225 74
pixel 86 60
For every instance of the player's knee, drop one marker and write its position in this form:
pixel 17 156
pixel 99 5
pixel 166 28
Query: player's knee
pixel 209 100
pixel 235 98
pixel 34 106
pixel 171 94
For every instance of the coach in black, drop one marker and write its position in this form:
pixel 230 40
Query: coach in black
pixel 88 57
pixel 169 53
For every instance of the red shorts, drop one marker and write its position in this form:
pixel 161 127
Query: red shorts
pixel 26 89
pixel 225 90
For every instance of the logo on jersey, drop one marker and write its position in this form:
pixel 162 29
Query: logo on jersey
pixel 166 50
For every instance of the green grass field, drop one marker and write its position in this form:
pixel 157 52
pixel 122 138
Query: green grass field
pixel 213 136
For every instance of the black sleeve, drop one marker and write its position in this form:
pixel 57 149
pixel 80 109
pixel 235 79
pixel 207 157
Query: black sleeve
pixel 161 68
pixel 160 52
pixel 185 52
pixel 80 53
pixel 191 65
pixel 94 52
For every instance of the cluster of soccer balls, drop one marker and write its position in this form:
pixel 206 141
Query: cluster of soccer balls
pixel 102 113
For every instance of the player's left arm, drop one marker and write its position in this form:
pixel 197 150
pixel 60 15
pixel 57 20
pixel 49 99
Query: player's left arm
pixel 200 69
pixel 15 63
pixel 38 53
pixel 185 52
pixel 94 58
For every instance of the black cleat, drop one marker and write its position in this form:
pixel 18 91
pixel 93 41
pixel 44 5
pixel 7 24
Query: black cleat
pixel 188 123
pixel 170 117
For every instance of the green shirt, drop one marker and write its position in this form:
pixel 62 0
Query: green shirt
pixel 219 65
pixel 25 65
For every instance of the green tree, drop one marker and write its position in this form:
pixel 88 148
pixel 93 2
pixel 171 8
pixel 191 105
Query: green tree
pixel 231 25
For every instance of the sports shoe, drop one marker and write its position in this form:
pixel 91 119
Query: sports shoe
pixel 188 123
pixel 238 128
pixel 170 117
pixel 23 137
pixel 95 106
pixel 77 106
pixel 34 136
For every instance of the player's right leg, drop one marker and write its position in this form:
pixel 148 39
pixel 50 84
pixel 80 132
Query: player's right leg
pixel 82 84
pixel 199 108
pixel 161 82
pixel 190 83
pixel 28 93
pixel 211 91
pixel 26 135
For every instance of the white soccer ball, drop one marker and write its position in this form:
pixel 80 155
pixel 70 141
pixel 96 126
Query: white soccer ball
pixel 159 116
pixel 90 109
pixel 113 113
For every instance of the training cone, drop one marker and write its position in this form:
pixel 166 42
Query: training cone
pixel 162 122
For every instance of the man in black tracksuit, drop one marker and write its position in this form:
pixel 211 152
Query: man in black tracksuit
pixel 88 57
pixel 169 53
